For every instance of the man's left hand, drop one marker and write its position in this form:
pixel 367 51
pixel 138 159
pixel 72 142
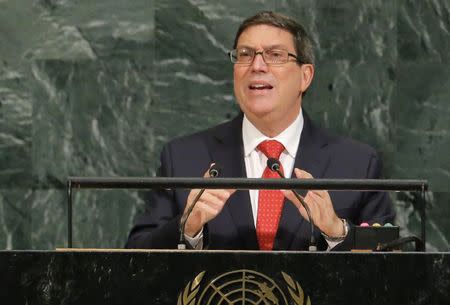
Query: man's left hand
pixel 320 206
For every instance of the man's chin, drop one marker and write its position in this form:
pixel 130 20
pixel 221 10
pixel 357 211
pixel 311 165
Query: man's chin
pixel 258 112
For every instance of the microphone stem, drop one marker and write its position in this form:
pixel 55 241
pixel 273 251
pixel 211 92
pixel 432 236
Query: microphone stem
pixel 213 172
pixel 312 241
pixel 182 242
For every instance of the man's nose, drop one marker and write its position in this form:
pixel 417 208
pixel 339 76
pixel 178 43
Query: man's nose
pixel 258 63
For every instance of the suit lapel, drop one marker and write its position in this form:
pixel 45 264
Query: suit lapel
pixel 227 151
pixel 311 155
pixel 312 158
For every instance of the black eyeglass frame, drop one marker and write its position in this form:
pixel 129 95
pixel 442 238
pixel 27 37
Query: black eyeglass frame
pixel 297 59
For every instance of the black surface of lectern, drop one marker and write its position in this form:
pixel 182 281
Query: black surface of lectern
pixel 222 277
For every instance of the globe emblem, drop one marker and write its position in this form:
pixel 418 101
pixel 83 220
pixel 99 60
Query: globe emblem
pixel 242 287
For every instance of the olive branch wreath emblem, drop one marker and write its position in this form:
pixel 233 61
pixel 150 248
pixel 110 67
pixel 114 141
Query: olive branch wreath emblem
pixel 190 291
pixel 295 290
pixel 187 297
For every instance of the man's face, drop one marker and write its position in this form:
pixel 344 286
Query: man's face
pixel 270 92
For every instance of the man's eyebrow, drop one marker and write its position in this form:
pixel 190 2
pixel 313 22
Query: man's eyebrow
pixel 244 46
pixel 273 46
pixel 276 46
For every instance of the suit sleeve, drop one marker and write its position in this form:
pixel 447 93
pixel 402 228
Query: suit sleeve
pixel 374 206
pixel 158 226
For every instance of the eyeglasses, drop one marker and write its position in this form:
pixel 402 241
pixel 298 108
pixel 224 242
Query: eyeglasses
pixel 245 56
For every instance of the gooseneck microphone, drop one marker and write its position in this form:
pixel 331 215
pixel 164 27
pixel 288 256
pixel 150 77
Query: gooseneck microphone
pixel 214 171
pixel 275 166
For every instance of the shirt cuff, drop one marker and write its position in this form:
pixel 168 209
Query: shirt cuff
pixel 334 241
pixel 195 242
pixel 332 244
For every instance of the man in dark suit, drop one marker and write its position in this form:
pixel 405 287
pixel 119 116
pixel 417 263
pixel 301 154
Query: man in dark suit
pixel 273 67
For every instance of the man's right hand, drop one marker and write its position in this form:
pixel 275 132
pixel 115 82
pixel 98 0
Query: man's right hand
pixel 208 207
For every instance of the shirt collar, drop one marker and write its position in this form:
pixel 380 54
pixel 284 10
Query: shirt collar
pixel 290 137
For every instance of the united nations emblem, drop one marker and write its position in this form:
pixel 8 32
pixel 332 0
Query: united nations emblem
pixel 243 287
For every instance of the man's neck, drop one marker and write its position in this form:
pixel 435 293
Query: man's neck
pixel 272 127
pixel 290 137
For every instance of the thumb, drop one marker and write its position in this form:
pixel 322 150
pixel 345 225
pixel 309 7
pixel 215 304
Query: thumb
pixel 302 174
pixel 206 174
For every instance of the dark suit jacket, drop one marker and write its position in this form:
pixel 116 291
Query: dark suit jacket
pixel 322 155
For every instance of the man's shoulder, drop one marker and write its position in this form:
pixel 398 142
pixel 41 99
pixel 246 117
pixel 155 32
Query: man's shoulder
pixel 344 157
pixel 345 145
pixel 190 155
pixel 206 135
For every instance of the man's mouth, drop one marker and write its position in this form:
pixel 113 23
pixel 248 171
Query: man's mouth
pixel 260 86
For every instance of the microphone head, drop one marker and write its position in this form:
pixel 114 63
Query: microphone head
pixel 273 164
pixel 214 171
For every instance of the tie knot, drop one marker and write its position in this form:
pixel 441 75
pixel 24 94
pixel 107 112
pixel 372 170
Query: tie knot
pixel 271 148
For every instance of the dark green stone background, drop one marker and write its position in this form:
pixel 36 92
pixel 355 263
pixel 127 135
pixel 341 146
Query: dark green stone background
pixel 94 88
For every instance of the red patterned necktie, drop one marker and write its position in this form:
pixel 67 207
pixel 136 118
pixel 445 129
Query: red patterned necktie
pixel 270 202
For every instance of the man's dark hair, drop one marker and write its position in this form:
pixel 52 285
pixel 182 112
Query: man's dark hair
pixel 302 41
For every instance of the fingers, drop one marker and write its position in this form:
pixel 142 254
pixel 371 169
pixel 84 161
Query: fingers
pixel 208 206
pixel 320 205
pixel 206 174
pixel 216 198
pixel 305 175
pixel 211 196
pixel 291 197
pixel 299 173
pixel 318 201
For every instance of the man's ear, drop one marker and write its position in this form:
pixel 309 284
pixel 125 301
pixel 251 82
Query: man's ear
pixel 307 71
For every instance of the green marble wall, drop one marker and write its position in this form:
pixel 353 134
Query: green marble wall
pixel 94 88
